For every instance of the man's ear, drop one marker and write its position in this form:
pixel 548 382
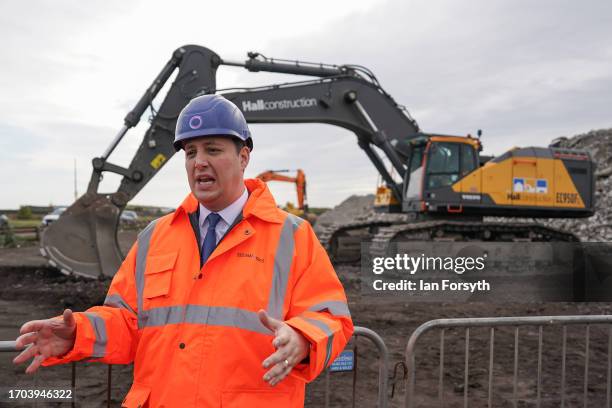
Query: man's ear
pixel 245 155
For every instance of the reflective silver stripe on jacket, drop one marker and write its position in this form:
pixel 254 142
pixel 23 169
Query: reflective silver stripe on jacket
pixel 99 327
pixel 198 314
pixel 330 336
pixel 144 239
pixel 335 307
pixel 282 266
pixel 115 300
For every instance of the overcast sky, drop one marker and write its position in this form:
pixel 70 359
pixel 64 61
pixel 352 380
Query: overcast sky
pixel 523 71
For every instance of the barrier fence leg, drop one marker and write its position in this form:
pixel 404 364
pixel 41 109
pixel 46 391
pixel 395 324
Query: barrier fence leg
pixel 327 388
pixel 73 384
pixel 355 374
pixel 108 387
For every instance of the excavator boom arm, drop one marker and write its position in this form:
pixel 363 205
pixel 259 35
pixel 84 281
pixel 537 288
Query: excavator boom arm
pixel 344 101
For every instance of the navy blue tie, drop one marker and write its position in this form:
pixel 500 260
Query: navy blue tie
pixel 210 241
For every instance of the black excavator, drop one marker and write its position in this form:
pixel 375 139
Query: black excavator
pixel 444 190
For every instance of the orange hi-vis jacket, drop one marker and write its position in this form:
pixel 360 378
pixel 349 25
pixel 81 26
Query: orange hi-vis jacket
pixel 193 332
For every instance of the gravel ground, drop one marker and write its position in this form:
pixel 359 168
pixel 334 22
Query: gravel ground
pixel 34 292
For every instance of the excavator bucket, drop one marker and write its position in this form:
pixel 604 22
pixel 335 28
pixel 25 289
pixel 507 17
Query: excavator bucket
pixel 83 241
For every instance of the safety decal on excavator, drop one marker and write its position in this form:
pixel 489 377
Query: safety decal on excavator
pixel 529 185
pixel 158 160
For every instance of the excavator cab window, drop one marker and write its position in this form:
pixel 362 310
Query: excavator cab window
pixel 469 159
pixel 414 176
pixel 443 164
pixel 416 159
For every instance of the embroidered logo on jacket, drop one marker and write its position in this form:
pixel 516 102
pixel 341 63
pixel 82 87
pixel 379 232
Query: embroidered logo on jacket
pixel 250 255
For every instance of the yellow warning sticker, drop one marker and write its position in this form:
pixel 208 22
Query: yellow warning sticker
pixel 158 160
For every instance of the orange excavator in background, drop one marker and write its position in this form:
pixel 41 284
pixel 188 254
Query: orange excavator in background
pixel 300 185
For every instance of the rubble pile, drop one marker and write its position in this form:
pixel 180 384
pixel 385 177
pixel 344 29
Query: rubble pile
pixel 356 208
pixel 596 142
pixel 597 228
pixel 348 211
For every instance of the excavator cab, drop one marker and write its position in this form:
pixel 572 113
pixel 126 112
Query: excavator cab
pixel 435 164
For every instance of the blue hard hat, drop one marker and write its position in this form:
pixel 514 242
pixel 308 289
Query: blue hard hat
pixel 211 115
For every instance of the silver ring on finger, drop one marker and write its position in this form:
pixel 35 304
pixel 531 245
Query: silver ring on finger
pixel 286 362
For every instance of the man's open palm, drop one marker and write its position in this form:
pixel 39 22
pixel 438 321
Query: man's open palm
pixel 291 348
pixel 48 338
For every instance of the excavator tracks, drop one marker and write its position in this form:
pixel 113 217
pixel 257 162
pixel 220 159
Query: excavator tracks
pixel 343 243
pixel 466 231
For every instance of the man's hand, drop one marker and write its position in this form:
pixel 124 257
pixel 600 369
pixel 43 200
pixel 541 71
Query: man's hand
pixel 291 348
pixel 48 338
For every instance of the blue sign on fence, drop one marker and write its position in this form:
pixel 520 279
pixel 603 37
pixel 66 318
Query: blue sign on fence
pixel 344 362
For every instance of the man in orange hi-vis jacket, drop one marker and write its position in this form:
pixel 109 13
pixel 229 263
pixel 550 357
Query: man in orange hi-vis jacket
pixel 227 302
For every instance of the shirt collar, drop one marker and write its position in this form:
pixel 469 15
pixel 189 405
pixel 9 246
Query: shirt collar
pixel 260 203
pixel 229 213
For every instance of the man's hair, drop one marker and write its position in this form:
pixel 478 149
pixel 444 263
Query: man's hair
pixel 239 144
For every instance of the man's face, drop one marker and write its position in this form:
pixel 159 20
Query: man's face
pixel 215 170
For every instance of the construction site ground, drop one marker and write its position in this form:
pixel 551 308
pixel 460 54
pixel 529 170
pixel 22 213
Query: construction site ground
pixel 31 290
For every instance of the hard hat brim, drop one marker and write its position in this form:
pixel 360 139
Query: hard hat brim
pixel 178 144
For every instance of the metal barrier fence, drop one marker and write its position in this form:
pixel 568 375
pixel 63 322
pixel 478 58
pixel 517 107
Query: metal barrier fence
pixel 7 346
pixel 492 324
pixel 8 235
pixel 20 230
pixel 383 368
